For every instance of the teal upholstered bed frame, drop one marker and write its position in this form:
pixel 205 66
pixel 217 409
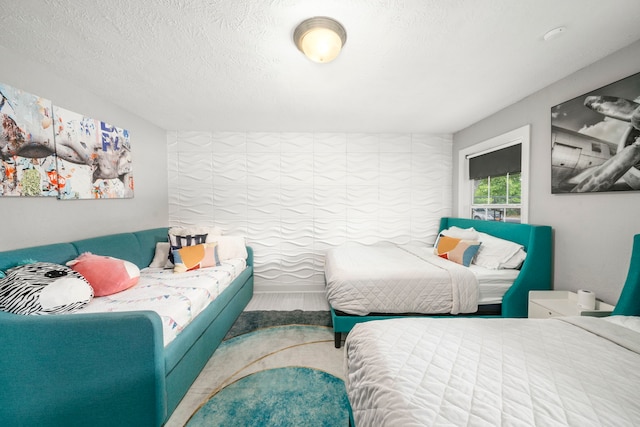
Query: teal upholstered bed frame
pixel 535 273
pixel 106 369
pixel 629 301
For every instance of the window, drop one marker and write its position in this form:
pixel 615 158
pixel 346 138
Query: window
pixel 497 198
pixel 493 177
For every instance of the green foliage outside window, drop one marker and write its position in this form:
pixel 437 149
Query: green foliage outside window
pixel 497 198
pixel 493 190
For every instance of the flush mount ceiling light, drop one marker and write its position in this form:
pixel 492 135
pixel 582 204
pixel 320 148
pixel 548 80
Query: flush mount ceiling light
pixel 554 34
pixel 320 38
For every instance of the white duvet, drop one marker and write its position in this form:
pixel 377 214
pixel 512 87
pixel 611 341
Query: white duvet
pixel 387 278
pixel 177 297
pixel 580 371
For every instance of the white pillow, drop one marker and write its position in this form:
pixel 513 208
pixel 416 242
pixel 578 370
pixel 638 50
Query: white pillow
pixel 161 255
pixel 230 247
pixel 515 261
pixel 461 233
pixel 458 233
pixel 494 252
pixel 194 230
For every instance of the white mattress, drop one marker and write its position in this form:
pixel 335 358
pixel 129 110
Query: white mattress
pixel 491 372
pixel 387 278
pixel 177 297
pixel 492 284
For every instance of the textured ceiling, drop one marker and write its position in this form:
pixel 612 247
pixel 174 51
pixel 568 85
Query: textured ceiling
pixel 432 66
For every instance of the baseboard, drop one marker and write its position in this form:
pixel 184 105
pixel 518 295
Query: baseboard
pixel 263 288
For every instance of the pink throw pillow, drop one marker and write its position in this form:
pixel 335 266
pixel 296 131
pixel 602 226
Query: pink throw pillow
pixel 106 275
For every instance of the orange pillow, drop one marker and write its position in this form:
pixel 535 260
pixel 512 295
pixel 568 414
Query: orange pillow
pixel 194 257
pixel 105 274
pixel 457 250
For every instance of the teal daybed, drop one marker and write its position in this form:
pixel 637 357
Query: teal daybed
pixel 535 272
pixel 106 369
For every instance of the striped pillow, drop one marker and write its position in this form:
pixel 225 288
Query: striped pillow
pixel 177 241
pixel 457 250
pixel 43 288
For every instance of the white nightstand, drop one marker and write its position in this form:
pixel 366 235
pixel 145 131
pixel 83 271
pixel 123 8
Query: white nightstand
pixel 544 304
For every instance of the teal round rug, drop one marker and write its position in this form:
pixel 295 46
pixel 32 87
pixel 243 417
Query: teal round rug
pixel 290 396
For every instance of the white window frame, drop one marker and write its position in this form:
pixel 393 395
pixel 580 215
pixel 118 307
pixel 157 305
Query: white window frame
pixel 522 136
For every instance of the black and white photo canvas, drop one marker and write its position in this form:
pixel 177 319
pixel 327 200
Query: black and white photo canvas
pixel 595 140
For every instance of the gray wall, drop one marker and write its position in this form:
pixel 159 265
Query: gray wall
pixel 40 220
pixel 592 232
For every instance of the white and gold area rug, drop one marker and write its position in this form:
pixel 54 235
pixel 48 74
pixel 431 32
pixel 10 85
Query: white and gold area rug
pixel 289 375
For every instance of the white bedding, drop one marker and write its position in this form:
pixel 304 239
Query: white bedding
pixel 493 284
pixel 177 297
pixel 578 371
pixel 387 278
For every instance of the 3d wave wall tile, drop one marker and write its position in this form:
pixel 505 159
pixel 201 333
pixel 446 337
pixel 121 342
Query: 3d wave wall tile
pixel 294 195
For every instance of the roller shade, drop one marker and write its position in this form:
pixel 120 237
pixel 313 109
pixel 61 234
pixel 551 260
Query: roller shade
pixel 496 163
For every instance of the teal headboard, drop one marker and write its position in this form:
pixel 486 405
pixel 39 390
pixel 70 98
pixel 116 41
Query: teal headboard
pixel 536 274
pixel 629 301
pixel 519 233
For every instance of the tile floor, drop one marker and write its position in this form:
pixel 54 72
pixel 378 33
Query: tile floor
pixel 286 301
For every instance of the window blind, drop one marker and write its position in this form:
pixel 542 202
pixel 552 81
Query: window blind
pixel 496 163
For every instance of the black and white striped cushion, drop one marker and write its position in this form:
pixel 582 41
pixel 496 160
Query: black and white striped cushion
pixel 180 241
pixel 43 288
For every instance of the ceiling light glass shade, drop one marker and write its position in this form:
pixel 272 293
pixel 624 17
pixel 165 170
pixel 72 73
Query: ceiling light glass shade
pixel 320 38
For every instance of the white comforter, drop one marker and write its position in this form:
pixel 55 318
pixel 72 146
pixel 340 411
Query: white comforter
pixel 579 371
pixel 177 297
pixel 387 278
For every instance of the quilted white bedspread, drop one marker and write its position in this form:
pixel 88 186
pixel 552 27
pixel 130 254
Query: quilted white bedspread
pixel 386 278
pixel 177 297
pixel 580 371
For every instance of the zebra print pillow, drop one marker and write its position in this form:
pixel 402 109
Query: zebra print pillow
pixel 43 288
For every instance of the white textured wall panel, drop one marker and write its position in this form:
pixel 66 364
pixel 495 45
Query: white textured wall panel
pixel 295 195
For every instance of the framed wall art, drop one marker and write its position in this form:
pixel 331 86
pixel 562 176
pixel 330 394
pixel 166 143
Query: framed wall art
pixel 94 158
pixel 595 140
pixel 46 150
pixel 27 150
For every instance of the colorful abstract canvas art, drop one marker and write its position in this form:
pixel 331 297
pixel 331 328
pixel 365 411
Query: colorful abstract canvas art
pixel 113 173
pixel 27 150
pixel 94 158
pixel 74 134
pixel 46 150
